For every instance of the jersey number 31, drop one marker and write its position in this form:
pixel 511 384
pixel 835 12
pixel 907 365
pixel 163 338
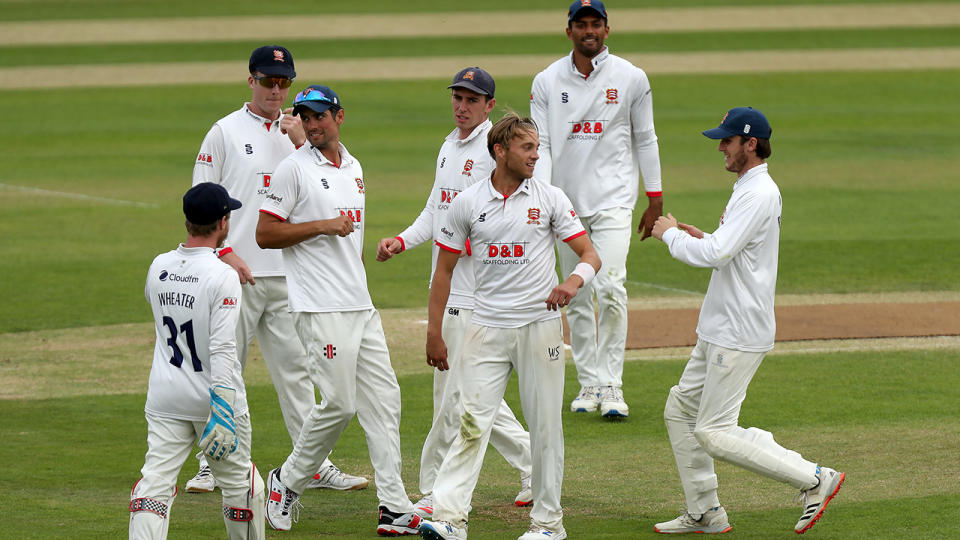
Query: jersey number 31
pixel 187 329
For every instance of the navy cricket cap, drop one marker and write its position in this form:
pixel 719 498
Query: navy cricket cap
pixel 316 97
pixel 207 202
pixel 741 121
pixel 272 60
pixel 584 7
pixel 475 79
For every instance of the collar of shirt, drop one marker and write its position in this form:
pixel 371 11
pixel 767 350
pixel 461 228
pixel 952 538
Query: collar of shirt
pixel 494 195
pixel 454 135
pixel 184 250
pixel 345 157
pixel 265 122
pixel 750 174
pixel 597 61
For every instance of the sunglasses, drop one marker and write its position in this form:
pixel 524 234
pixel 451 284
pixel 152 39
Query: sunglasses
pixel 269 81
pixel 312 94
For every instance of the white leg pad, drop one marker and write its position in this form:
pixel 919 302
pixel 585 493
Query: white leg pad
pixel 243 516
pixel 149 516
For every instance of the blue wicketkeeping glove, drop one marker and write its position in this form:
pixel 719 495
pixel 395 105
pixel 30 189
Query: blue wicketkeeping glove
pixel 219 437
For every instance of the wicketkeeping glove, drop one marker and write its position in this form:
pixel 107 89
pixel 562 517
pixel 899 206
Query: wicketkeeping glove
pixel 219 437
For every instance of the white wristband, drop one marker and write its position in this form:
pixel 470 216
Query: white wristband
pixel 585 271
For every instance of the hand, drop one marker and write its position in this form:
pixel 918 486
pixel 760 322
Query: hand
pixel 338 226
pixel 650 215
pixel 238 264
pixel 691 230
pixel 561 295
pixel 437 352
pixel 219 438
pixel 663 223
pixel 292 127
pixel 388 247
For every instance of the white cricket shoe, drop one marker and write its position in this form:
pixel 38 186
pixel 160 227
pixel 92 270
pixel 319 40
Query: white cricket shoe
pixel 203 482
pixel 331 477
pixel 536 532
pixel 815 499
pixel 281 503
pixel 612 404
pixel 714 521
pixel 587 400
pixel 442 530
pixel 398 523
pixel 525 497
pixel 424 507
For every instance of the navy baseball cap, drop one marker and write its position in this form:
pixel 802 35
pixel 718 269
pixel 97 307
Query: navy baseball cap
pixel 207 202
pixel 475 79
pixel 741 121
pixel 272 60
pixel 584 7
pixel 317 98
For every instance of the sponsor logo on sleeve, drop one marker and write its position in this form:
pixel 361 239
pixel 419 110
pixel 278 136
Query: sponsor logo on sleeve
pixel 230 301
pixel 205 159
pixel 275 198
pixel 445 232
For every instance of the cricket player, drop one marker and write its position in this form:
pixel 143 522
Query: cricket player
pixel 240 152
pixel 735 331
pixel 196 392
pixel 595 113
pixel 510 220
pixel 463 160
pixel 314 211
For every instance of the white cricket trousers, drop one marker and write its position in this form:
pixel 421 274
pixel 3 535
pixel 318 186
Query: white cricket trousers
pixel 598 336
pixel 169 442
pixel 701 416
pixel 350 365
pixel 489 356
pixel 507 435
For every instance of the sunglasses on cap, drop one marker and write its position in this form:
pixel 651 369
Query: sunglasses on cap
pixel 312 94
pixel 269 81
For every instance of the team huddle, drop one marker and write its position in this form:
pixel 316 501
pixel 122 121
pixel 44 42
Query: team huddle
pixel 275 229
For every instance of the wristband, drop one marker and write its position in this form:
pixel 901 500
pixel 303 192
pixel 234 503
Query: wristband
pixel 224 251
pixel 403 245
pixel 585 271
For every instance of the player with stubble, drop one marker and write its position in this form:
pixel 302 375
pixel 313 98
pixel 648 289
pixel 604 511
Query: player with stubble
pixel 511 221
pixel 595 113
pixel 196 392
pixel 463 160
pixel 735 331
pixel 240 152
pixel 315 213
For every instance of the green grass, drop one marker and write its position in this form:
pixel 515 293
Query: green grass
pixel 869 189
pixel 868 414
pixel 17 10
pixel 619 42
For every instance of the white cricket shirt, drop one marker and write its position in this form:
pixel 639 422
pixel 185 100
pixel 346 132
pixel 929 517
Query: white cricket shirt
pixel 595 132
pixel 324 273
pixel 460 164
pixel 240 152
pixel 512 240
pixel 195 298
pixel 737 311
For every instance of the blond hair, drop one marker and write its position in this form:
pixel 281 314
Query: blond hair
pixel 507 128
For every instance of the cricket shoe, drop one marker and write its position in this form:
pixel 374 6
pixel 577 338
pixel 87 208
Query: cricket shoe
pixel 815 499
pixel 713 521
pixel 281 503
pixel 442 530
pixel 331 477
pixel 424 507
pixel 587 400
pixel 536 532
pixel 398 523
pixel 203 482
pixel 612 404
pixel 525 497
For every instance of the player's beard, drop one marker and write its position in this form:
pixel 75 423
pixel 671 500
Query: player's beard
pixel 737 161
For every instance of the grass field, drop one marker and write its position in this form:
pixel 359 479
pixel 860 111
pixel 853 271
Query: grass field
pixel 90 191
